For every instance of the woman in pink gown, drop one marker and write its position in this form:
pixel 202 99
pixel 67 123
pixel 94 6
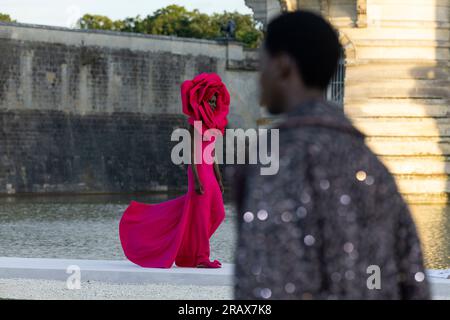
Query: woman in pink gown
pixel 178 231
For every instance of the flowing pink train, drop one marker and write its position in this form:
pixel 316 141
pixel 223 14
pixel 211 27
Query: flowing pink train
pixel 175 231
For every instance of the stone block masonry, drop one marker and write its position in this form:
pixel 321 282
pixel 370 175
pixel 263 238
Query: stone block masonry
pixel 397 83
pixel 92 111
pixel 55 151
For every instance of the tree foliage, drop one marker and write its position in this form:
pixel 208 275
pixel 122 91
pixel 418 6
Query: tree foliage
pixel 6 18
pixel 175 20
pixel 98 22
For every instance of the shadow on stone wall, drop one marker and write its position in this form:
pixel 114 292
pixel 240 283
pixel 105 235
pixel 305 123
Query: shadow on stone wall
pixel 431 93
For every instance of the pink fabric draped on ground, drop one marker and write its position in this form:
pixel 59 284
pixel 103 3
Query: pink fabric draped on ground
pixel 178 231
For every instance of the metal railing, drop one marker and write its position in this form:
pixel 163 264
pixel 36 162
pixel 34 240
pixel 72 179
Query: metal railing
pixel 335 90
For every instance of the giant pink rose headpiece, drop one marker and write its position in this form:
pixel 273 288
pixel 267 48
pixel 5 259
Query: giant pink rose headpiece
pixel 195 95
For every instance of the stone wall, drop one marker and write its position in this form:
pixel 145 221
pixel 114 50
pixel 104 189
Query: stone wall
pixel 93 111
pixel 398 90
pixel 397 84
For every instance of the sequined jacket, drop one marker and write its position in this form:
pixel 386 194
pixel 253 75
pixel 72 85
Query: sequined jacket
pixel 331 224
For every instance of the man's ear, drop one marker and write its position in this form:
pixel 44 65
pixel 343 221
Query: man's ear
pixel 285 65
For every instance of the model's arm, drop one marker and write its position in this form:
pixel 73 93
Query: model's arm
pixel 218 175
pixel 198 184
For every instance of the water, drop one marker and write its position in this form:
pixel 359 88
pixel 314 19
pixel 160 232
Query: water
pixel 82 227
pixel 86 227
pixel 433 224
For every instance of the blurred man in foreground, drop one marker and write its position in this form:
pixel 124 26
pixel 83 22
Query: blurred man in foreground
pixel 331 224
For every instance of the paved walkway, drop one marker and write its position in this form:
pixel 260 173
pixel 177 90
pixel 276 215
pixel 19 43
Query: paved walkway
pixel 116 279
pixel 112 271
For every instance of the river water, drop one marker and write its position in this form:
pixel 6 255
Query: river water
pixel 86 227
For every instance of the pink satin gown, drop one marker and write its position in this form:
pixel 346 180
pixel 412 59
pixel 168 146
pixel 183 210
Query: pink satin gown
pixel 178 230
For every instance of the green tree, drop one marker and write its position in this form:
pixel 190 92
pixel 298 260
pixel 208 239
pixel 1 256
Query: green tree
pixel 6 18
pixel 98 22
pixel 175 20
pixel 136 25
pixel 171 20
pixel 247 30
